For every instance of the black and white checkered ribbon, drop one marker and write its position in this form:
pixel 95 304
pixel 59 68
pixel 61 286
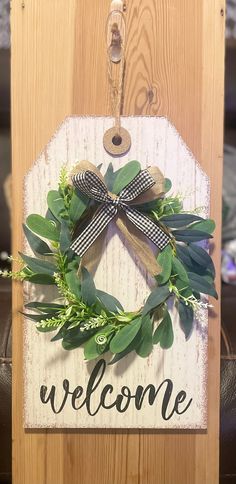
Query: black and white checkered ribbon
pixel 90 184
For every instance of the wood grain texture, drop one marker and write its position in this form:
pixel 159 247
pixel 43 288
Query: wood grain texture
pixel 120 273
pixel 175 68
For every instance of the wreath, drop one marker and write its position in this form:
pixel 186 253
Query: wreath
pixel 83 315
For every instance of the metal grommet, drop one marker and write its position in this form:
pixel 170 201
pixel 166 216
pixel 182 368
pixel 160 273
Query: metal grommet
pixel 117 144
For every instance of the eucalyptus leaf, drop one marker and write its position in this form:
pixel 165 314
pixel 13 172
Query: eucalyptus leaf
pixel 179 270
pixel 205 226
pixel 73 282
pixel 201 257
pixel 43 227
pixel 38 265
pixel 183 253
pixel 73 265
pixel 167 185
pixel 88 289
pixel 44 279
pixel 147 207
pixel 45 307
pixel 74 338
pixel 157 297
pixel 164 332
pixel 61 333
pixel 200 284
pixel 180 220
pixel 37 317
pixel 183 287
pixel 36 244
pixel 110 177
pixel 186 318
pixel 49 216
pixel 126 174
pixel 109 302
pixel 190 235
pixel 123 338
pixel 131 347
pixel 164 259
pixel 78 205
pixel 55 204
pixel 145 347
pixel 65 237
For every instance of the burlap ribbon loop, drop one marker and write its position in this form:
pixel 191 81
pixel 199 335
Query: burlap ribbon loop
pixel 147 185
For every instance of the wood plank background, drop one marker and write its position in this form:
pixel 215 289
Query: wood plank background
pixel 175 67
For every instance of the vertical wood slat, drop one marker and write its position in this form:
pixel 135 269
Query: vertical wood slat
pixel 174 67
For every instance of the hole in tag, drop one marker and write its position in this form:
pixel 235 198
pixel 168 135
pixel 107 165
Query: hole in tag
pixel 117 140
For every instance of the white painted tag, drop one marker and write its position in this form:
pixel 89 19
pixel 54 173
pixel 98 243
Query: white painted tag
pixel 169 372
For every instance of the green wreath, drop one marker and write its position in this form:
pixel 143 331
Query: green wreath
pixel 85 316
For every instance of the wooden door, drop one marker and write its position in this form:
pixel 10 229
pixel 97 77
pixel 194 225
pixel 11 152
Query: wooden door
pixel 175 59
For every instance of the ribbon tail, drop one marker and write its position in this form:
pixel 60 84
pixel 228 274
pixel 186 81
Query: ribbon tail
pixel 139 243
pixel 99 222
pixel 148 227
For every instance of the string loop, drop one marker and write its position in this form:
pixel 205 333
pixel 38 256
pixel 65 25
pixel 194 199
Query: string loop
pixel 116 62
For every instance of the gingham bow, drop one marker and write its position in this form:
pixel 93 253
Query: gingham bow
pixel 90 184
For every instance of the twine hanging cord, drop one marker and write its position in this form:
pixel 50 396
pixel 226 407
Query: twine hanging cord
pixel 116 81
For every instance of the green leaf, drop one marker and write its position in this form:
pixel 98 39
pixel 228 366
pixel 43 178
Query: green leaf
pixel 109 302
pixel 50 216
pixel 183 255
pixel 205 226
pixel 145 347
pixel 148 207
pixel 200 284
pixel 44 279
pixel 45 307
pixel 78 205
pixel 164 259
pixel 123 338
pixel 38 265
pixel 88 289
pixel 191 265
pixel 164 332
pixel 61 333
pixel 179 270
pixel 110 177
pixel 73 265
pixel 36 244
pixel 43 227
pixel 131 347
pixel 179 220
pixel 65 237
pixel 55 204
pixel 167 185
pixel 37 317
pixel 92 349
pixel 73 282
pixel 126 175
pixel 201 257
pixel 190 235
pixel 157 297
pixel 183 287
pixel 74 338
pixel 186 318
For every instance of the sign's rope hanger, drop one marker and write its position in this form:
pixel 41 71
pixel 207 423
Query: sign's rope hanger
pixel 117 139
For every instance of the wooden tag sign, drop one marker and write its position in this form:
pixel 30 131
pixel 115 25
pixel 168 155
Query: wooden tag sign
pixel 165 390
